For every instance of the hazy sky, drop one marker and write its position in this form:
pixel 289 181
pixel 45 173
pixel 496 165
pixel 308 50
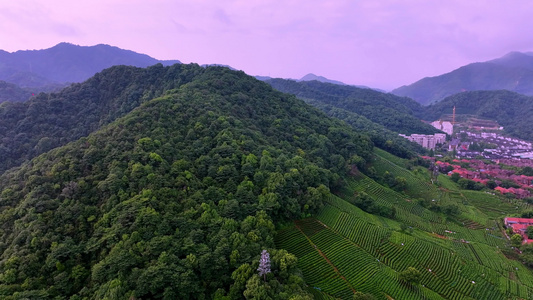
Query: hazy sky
pixel 383 44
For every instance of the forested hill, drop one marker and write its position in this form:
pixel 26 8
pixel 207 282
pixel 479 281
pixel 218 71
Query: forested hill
pixel 66 63
pixel 50 120
pixel 380 115
pixel 511 110
pixel 175 200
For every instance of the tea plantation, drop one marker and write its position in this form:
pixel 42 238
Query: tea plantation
pixel 344 249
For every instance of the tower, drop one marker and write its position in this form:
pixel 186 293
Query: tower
pixel 453 116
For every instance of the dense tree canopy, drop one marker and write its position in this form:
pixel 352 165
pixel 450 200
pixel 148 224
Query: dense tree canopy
pixel 382 116
pixel 410 275
pixel 175 200
pixel 46 121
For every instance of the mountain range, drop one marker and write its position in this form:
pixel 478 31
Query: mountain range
pixel 66 63
pixel 311 77
pixel 513 72
pixel 382 116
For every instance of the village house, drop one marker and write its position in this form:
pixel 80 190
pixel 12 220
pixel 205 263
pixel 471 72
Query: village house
pixel 482 172
pixel 519 193
pixel 519 226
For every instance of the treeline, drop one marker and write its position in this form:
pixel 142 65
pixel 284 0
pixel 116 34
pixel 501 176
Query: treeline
pixel 10 92
pixel 177 199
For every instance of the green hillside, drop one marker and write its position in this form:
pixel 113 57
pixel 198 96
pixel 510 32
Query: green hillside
pixel 169 182
pixel 459 256
pixel 12 92
pixel 381 116
pixel 175 200
pixel 51 120
pixel 393 112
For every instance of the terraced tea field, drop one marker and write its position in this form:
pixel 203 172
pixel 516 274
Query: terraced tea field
pixel 344 249
pixel 417 186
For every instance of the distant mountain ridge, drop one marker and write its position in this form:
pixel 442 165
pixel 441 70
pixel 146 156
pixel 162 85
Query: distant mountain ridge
pixel 66 63
pixel 513 72
pixel 313 77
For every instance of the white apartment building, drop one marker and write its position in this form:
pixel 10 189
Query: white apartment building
pixel 426 140
pixel 444 126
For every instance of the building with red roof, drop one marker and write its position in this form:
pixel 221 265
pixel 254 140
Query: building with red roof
pixel 520 226
pixel 519 193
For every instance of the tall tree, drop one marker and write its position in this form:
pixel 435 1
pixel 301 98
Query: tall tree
pixel 264 264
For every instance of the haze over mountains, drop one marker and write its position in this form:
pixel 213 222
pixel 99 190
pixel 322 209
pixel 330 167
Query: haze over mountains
pixel 27 72
pixel 66 63
pixel 513 72
pixel 33 71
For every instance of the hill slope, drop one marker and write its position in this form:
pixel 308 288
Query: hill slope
pixel 380 115
pixel 459 255
pixel 176 199
pixel 66 63
pixel 51 120
pixel 513 72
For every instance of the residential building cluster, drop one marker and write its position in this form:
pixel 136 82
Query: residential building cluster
pixel 505 147
pixel 519 193
pixel 515 162
pixel 426 140
pixel 482 172
pixel 501 146
pixel 429 141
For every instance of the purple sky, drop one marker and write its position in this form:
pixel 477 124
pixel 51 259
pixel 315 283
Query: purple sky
pixel 383 44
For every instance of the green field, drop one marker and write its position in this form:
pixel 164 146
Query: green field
pixel 344 249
